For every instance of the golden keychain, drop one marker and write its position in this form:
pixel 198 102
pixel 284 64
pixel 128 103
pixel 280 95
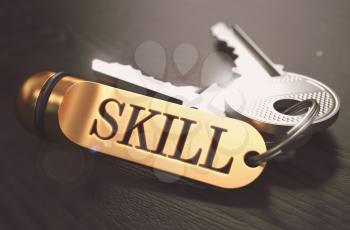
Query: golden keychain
pixel 146 130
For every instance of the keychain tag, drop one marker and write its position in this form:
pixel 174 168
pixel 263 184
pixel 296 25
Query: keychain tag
pixel 159 134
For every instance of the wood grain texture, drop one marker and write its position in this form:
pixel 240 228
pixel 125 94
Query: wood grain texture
pixel 60 186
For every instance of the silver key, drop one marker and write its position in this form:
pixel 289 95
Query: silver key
pixel 186 94
pixel 264 90
pixel 212 100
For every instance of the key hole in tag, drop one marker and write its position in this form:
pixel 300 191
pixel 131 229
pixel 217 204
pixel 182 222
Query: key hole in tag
pixel 249 155
pixel 282 106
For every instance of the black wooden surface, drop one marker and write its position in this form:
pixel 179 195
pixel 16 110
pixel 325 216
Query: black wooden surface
pixel 59 186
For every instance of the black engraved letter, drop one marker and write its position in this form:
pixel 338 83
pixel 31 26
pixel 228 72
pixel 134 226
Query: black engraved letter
pixel 107 117
pixel 165 133
pixel 181 143
pixel 212 151
pixel 138 126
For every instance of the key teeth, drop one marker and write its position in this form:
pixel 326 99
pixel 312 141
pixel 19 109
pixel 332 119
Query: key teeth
pixel 235 72
pixel 130 69
pixel 133 70
pixel 220 26
pixel 138 71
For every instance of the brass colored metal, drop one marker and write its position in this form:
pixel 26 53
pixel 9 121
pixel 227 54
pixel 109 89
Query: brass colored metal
pixel 27 100
pixel 108 119
pixel 144 130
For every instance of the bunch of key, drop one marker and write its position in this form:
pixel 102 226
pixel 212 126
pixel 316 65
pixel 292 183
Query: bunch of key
pixel 261 95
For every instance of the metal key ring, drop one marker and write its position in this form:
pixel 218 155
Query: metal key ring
pixel 313 109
